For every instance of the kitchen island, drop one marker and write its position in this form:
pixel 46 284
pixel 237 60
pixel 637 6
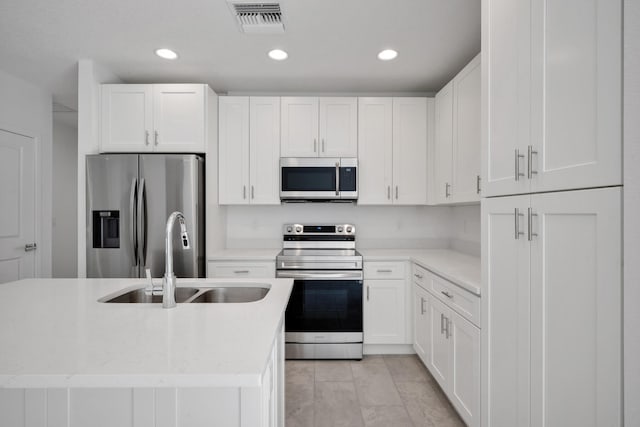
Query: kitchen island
pixel 67 359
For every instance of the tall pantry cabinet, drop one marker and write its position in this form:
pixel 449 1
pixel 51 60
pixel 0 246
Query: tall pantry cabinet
pixel 551 216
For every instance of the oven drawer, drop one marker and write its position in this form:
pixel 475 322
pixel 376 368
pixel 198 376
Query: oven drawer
pixel 241 269
pixel 462 301
pixel 384 269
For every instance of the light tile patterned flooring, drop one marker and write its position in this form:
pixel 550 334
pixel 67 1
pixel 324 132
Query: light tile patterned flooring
pixel 379 391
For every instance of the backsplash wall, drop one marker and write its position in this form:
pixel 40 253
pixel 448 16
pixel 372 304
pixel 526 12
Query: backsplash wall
pixel 377 226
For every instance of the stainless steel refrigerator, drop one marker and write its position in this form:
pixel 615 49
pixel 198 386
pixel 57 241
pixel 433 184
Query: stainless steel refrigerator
pixel 129 198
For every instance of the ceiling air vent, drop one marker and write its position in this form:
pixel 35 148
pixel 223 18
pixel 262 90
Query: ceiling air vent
pixel 257 18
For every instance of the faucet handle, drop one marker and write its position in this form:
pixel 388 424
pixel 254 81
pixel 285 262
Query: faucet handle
pixel 151 288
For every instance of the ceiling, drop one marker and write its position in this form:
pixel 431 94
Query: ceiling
pixel 332 44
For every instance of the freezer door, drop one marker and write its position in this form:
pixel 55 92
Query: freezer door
pixel 112 182
pixel 172 182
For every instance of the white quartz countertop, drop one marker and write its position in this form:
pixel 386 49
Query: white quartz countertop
pixel 460 269
pixel 55 333
pixel 244 255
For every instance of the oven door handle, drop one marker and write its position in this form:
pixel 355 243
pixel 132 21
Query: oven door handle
pixel 319 275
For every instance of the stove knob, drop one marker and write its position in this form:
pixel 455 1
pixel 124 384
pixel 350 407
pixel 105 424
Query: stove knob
pixel 298 229
pixel 289 229
pixel 339 229
pixel 349 229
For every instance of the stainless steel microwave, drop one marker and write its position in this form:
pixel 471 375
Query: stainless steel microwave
pixel 318 179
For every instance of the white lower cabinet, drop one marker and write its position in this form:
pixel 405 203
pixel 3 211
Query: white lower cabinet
pixel 448 344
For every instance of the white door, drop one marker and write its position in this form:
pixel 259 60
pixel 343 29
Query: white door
pixel 421 318
pixel 465 369
pixel 576 309
pixel 299 129
pixel 506 38
pixel 375 151
pixel 506 313
pixel 179 118
pixel 264 150
pixel 17 210
pixel 233 166
pixel 410 150
pixel 127 118
pixel 338 127
pixel 466 133
pixel 577 94
pixel 440 348
pixel 384 312
pixel 443 144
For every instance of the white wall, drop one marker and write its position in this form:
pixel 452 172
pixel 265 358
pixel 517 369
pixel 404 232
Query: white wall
pixel 65 199
pixel 631 234
pixel 26 109
pixel 377 226
pixel 466 229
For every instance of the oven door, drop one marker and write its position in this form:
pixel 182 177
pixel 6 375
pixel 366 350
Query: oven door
pixel 309 178
pixel 325 307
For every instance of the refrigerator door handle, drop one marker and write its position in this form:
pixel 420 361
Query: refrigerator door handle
pixel 142 223
pixel 133 214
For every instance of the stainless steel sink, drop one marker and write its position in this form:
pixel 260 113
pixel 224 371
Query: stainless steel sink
pixel 140 296
pixel 232 294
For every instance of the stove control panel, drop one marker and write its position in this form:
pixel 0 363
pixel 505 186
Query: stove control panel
pixel 319 230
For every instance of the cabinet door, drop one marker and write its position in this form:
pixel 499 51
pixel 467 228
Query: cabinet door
pixel 576 308
pixel 506 313
pixel 127 118
pixel 506 39
pixel 443 144
pixel 464 389
pixel 384 312
pixel 439 361
pixel 179 118
pixel 338 127
pixel 421 328
pixel 233 143
pixel 299 127
pixel 375 151
pixel 466 133
pixel 410 150
pixel 264 149
pixel 577 94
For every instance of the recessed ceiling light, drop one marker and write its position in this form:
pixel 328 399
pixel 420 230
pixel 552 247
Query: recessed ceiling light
pixel 278 54
pixel 387 55
pixel 166 53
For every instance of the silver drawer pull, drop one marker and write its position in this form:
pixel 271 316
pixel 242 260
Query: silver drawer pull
pixel 385 271
pixel 419 276
pixel 446 294
pixel 241 271
pixel 30 247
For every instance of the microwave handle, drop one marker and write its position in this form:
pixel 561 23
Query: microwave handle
pixel 337 178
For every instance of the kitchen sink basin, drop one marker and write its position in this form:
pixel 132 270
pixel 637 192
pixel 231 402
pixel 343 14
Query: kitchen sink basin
pixel 232 294
pixel 140 296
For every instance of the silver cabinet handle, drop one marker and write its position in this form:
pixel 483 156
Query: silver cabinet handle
pixel 389 192
pixel 384 271
pixel 517 232
pixel 419 276
pixel 240 271
pixel 323 145
pixel 530 233
pixel 518 156
pixel 30 247
pixel 477 184
pixel 447 186
pixel 530 153
pixel 396 192
pixel 146 137
pixel 337 178
pixel 367 292
pixel 441 323
pixel 244 191
pixel 446 294
pixel 156 138
pixel 315 145
pixel 421 305
pixel 253 194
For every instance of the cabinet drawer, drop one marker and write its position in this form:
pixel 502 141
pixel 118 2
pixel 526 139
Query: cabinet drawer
pixel 384 270
pixel 241 269
pixel 465 303
pixel 419 275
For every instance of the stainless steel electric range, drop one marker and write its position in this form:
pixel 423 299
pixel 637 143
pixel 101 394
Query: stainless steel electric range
pixel 324 317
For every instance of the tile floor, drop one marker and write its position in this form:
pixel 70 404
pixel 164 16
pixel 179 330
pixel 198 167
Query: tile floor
pixel 379 391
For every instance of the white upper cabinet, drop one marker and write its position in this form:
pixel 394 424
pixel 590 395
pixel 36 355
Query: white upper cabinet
pixel 552 95
pixel 410 150
pixel 249 150
pixel 338 127
pixel 127 118
pixel 375 151
pixel 319 127
pixel 443 145
pixel 299 127
pixel 159 118
pixel 466 134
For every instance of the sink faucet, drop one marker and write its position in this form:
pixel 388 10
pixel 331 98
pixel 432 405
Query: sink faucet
pixel 169 281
